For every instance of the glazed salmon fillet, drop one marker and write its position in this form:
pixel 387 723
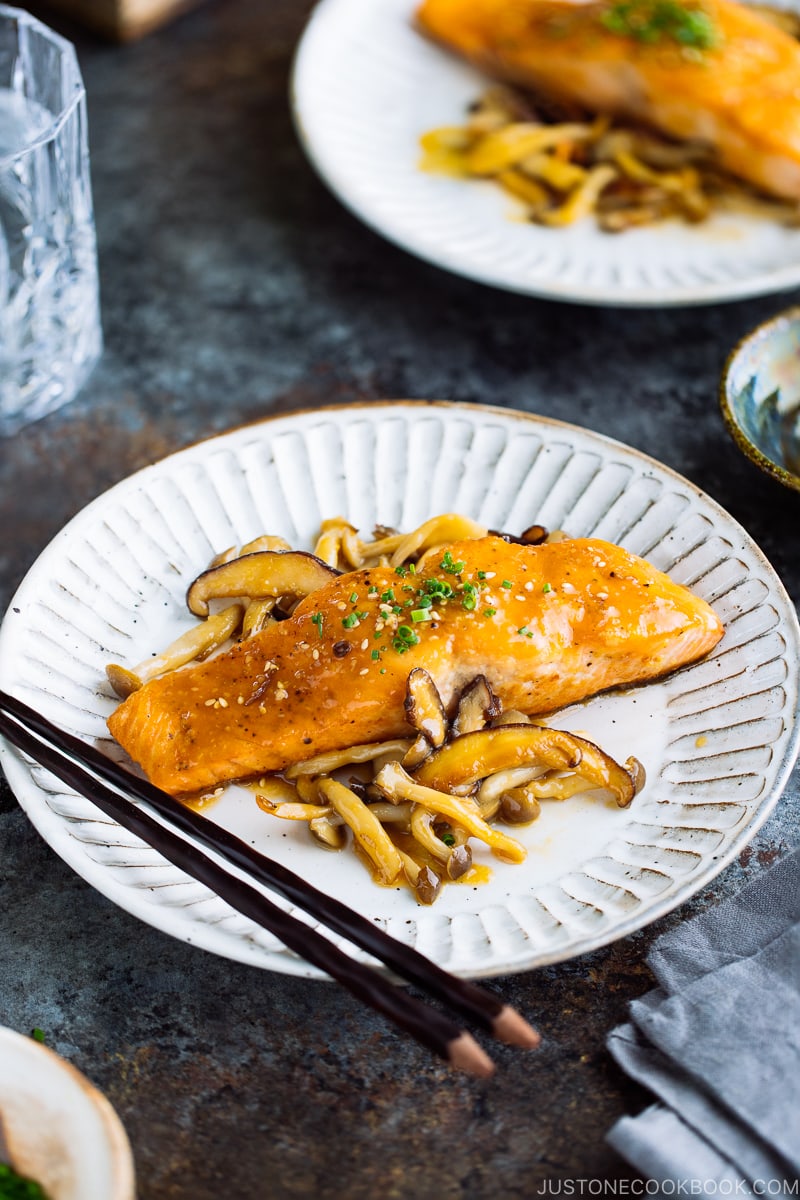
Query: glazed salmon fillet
pixel 547 625
pixel 738 90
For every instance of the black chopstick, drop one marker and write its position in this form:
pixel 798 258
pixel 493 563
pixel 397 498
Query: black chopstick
pixel 430 1027
pixel 465 997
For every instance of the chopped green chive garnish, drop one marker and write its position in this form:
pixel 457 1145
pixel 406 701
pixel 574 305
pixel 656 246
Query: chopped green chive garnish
pixel 439 588
pixel 489 612
pixel 404 639
pixel 447 564
pixel 506 583
pixel 420 614
pixel 547 588
pixel 350 620
pixel 318 619
pixel 387 596
pixel 37 1034
pixel 400 571
pixel 448 839
pixel 375 655
pixel 481 574
pixel 469 602
pixel 652 20
pixel 353 597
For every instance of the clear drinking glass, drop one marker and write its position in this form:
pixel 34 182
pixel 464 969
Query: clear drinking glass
pixel 50 333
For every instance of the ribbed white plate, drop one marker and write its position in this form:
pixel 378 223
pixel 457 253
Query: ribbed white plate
pixel 367 85
pixel 717 739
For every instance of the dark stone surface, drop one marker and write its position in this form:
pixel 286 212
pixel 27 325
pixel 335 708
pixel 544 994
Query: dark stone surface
pixel 234 285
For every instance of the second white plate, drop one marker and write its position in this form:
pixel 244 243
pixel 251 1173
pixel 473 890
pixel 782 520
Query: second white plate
pixel 367 85
pixel 717 739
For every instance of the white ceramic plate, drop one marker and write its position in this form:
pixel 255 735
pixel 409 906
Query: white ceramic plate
pixel 367 85
pixel 717 740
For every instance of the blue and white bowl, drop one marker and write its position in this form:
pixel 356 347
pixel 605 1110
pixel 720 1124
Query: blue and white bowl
pixel 760 396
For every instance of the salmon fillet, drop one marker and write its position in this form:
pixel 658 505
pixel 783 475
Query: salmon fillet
pixel 547 625
pixel 740 94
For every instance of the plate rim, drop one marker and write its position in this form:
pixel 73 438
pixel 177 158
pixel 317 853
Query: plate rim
pixel 764 283
pixel 32 796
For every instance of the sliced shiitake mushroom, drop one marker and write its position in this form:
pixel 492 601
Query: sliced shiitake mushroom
pixel 417 752
pixel 473 756
pixel 476 706
pixel 605 772
pixel 423 707
pixel 534 535
pixel 265 573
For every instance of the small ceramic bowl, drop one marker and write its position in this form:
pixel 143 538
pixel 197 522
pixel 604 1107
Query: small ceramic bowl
pixel 57 1129
pixel 760 396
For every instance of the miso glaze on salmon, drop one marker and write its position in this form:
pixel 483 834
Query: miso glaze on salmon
pixel 547 625
pixel 707 70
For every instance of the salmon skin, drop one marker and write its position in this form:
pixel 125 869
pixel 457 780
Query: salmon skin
pixel 735 86
pixel 547 625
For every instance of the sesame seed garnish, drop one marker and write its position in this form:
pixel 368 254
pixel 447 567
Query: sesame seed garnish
pixel 529 586
pixel 223 703
pixel 315 654
pixel 364 671
pixel 365 643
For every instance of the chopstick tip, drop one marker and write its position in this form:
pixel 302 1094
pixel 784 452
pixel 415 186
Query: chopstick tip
pixel 509 1027
pixel 465 1054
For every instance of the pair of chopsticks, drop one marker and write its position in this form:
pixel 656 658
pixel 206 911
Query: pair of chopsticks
pixel 89 772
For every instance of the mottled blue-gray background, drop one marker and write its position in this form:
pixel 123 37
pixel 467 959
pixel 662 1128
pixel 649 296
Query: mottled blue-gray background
pixel 234 286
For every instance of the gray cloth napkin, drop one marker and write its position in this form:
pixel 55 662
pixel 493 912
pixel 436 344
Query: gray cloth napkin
pixel 718 1042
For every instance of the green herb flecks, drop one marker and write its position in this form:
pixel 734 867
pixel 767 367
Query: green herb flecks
pixel 404 639
pixel 450 567
pixel 653 21
pixel 17 1187
pixel 318 619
